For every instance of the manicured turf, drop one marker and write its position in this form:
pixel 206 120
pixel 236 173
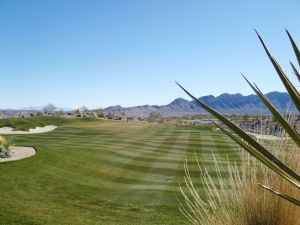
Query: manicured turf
pixel 105 172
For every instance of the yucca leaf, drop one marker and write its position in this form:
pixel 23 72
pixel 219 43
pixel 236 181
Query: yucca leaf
pixel 285 80
pixel 286 126
pixel 295 71
pixel 296 50
pixel 259 156
pixel 284 196
pixel 258 147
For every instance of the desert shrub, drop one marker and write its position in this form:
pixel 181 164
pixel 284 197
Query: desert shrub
pixel 4 147
pixel 239 200
pixel 155 117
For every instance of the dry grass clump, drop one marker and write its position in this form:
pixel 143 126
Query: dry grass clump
pixel 237 199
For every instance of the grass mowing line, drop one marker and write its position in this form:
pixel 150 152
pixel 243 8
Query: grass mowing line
pixel 136 173
pixel 176 150
pixel 116 138
pixel 136 147
pixel 63 182
pixel 112 170
pixel 195 146
pixel 162 168
pixel 61 139
pixel 153 172
pixel 159 171
pixel 164 149
pixel 122 170
pixel 173 172
pixel 99 173
pixel 168 183
pixel 121 178
pixel 201 144
pixel 226 150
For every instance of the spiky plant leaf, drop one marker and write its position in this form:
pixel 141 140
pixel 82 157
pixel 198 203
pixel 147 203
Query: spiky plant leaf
pixel 283 122
pixel 295 71
pixel 284 196
pixel 285 80
pixel 296 50
pixel 259 156
pixel 261 153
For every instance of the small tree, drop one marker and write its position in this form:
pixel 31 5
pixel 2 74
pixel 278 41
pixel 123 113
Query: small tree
pixel 49 108
pixel 245 117
pixel 155 117
pixel 110 116
pixel 99 112
pixel 84 109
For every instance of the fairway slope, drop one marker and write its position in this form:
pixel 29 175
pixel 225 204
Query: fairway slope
pixel 107 172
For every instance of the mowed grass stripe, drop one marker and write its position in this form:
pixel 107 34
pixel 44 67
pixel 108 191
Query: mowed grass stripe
pixel 115 171
pixel 103 172
pixel 178 150
pixel 123 170
pixel 105 162
pixel 156 167
pixel 97 168
pixel 201 145
pixel 168 178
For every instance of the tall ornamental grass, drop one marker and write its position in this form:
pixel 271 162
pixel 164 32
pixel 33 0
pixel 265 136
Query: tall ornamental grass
pixel 264 189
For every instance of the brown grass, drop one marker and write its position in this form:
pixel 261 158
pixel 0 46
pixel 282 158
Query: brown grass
pixel 238 200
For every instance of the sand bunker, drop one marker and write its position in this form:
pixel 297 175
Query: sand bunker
pixel 268 137
pixel 37 130
pixel 18 153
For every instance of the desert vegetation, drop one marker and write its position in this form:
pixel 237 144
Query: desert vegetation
pixel 5 143
pixel 241 198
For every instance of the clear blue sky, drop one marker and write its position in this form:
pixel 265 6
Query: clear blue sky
pixel 102 53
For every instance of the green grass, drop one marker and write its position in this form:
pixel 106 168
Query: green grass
pixel 35 121
pixel 105 172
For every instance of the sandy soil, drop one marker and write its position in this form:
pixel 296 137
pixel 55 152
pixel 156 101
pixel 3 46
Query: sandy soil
pixel 18 153
pixel 267 137
pixel 37 130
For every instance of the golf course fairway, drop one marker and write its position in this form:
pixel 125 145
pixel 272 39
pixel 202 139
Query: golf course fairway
pixel 90 171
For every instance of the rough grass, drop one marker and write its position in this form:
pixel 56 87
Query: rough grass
pixel 101 172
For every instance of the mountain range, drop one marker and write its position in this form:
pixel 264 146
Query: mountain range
pixel 224 103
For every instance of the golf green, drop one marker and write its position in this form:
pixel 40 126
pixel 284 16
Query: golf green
pixel 105 172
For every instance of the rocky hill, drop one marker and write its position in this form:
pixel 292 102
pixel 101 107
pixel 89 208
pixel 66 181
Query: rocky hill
pixel 225 103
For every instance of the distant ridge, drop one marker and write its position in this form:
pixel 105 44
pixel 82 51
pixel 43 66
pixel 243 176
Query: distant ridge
pixel 225 103
pixel 36 108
